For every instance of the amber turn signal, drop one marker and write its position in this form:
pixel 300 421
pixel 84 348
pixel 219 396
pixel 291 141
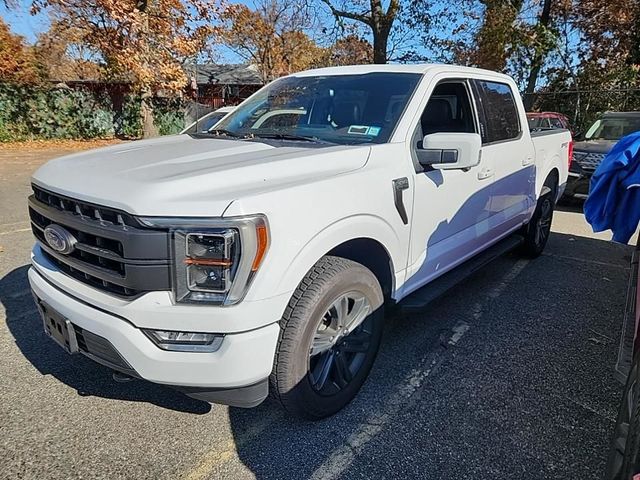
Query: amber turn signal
pixel 262 236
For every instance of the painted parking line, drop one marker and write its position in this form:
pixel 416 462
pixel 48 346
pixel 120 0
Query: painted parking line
pixel 343 456
pixel 16 231
pixel 227 451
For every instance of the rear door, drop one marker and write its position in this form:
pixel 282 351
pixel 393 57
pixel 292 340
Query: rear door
pixel 507 147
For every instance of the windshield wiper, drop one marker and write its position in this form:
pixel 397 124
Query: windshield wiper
pixel 291 136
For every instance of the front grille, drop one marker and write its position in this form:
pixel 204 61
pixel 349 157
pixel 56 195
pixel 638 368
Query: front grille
pixel 588 161
pixel 92 280
pixel 113 252
pixel 83 209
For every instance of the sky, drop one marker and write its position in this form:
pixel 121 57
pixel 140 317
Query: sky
pixel 23 23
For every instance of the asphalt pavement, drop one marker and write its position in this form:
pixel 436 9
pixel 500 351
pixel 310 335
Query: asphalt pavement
pixel 510 375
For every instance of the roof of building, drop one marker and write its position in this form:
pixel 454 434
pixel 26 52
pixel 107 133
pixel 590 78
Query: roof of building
pixel 242 74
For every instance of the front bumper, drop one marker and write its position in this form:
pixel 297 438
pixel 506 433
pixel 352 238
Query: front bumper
pixel 243 361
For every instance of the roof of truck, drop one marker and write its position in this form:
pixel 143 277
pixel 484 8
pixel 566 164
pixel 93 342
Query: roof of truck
pixel 622 114
pixel 395 68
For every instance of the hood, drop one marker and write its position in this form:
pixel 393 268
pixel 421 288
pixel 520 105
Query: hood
pixel 185 176
pixel 594 146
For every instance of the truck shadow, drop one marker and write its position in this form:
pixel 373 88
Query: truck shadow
pixel 403 419
pixel 78 372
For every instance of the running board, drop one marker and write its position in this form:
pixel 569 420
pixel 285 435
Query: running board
pixel 422 297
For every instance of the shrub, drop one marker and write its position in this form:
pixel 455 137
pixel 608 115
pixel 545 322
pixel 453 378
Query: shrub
pixel 28 112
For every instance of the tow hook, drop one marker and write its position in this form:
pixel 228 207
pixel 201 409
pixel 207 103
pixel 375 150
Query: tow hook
pixel 122 377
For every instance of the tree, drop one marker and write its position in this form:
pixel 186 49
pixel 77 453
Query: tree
pixel 65 56
pixel 495 33
pixel 271 36
pixel 351 50
pixel 142 42
pixel 538 55
pixel 372 14
pixel 443 30
pixel 610 31
pixel 18 63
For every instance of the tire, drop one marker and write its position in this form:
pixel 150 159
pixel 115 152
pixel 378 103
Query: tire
pixel 318 367
pixel 536 233
pixel 623 461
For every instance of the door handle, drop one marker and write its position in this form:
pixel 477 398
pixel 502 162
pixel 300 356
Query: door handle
pixel 485 173
pixel 527 161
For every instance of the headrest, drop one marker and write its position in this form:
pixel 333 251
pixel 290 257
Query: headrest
pixel 438 110
pixel 345 114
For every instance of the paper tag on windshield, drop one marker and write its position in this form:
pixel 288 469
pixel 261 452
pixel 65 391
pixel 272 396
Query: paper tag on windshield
pixel 358 129
pixel 364 130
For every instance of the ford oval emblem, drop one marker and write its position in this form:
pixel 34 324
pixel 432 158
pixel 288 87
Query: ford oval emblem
pixel 60 239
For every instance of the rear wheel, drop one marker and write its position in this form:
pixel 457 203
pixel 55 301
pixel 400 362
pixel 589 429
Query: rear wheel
pixel 330 334
pixel 536 233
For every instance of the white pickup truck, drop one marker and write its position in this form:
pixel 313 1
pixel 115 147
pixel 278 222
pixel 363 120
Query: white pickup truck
pixel 257 257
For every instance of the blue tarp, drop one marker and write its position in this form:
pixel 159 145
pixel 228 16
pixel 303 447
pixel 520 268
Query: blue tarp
pixel 614 194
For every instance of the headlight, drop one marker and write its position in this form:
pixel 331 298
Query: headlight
pixel 214 260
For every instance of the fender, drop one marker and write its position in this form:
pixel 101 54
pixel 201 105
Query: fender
pixel 546 169
pixel 341 231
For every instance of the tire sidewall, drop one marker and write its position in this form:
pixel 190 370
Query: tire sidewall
pixel 630 456
pixel 297 384
pixel 530 247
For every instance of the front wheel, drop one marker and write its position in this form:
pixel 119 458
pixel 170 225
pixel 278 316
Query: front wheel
pixel 330 334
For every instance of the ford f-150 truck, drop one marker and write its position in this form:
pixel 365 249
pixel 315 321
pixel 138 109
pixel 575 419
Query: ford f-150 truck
pixel 257 257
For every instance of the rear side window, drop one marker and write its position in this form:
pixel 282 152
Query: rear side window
pixel 500 115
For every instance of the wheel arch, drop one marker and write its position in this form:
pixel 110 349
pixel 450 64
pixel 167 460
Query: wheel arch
pixel 551 181
pixel 373 255
pixel 364 239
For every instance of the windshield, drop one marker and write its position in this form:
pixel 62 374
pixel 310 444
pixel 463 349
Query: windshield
pixel 613 128
pixel 205 123
pixel 342 109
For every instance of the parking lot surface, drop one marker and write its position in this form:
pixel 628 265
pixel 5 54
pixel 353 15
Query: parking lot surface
pixel 507 376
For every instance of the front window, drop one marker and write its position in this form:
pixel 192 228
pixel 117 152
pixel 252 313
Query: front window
pixel 613 128
pixel 340 109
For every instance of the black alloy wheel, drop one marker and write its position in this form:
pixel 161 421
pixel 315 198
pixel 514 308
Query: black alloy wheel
pixel 340 344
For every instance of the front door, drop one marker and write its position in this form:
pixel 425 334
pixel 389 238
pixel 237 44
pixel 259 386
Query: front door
pixel 451 207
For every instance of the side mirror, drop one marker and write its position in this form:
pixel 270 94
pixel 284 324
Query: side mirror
pixel 450 151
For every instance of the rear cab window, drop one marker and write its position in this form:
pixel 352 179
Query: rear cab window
pixel 499 118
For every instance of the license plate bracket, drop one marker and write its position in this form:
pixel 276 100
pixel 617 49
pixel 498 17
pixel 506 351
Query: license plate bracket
pixel 58 328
